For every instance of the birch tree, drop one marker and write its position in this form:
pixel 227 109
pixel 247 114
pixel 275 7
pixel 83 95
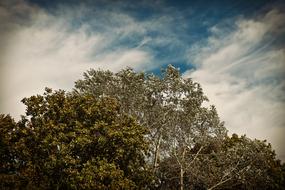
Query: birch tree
pixel 169 106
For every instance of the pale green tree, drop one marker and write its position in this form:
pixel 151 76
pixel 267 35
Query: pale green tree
pixel 169 106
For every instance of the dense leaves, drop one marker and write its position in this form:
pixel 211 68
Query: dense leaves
pixel 73 142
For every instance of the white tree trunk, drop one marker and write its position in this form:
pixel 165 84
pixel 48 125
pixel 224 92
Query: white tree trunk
pixel 156 154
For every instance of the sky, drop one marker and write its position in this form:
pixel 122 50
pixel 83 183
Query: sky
pixel 234 48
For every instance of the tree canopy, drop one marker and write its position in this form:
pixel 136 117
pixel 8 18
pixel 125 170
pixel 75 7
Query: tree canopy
pixel 70 141
pixel 130 130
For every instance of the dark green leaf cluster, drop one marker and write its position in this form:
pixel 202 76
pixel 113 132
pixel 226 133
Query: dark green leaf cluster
pixel 70 141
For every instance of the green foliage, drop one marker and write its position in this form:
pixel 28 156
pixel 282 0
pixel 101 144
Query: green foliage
pixel 169 106
pixel 8 164
pixel 70 141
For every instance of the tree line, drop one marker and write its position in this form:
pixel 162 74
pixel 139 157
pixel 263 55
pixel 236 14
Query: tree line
pixel 130 130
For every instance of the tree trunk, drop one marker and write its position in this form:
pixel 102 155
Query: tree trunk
pixel 156 154
pixel 182 170
pixel 181 178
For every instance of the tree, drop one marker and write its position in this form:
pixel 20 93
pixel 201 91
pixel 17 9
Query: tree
pixel 8 164
pixel 70 141
pixel 170 107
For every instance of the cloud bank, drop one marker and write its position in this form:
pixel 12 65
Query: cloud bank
pixel 47 50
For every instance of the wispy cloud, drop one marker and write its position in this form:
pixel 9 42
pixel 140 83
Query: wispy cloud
pixel 54 47
pixel 242 72
pixel 48 50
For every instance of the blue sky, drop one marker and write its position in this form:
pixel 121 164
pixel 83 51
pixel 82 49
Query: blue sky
pixel 235 49
pixel 182 23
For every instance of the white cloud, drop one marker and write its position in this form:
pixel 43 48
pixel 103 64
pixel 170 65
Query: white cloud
pixel 121 59
pixel 46 50
pixel 242 73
